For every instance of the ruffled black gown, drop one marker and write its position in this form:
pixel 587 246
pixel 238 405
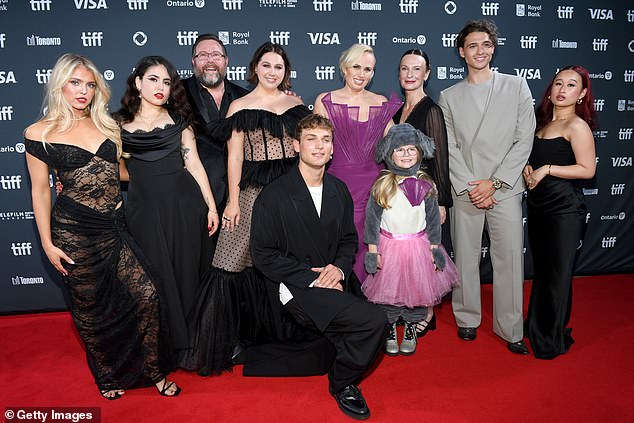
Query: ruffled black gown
pixel 556 221
pixel 167 216
pixel 113 301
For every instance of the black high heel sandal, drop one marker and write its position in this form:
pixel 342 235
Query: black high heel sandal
pixel 424 326
pixel 166 386
pixel 116 395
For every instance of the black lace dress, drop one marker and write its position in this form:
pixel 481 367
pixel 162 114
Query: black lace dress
pixel 113 300
pixel 167 216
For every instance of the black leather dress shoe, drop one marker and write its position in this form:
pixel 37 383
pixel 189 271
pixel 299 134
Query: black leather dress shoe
pixel 351 402
pixel 518 347
pixel 468 334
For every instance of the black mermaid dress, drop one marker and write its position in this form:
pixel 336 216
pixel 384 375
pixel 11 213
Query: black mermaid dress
pixel 556 221
pixel 113 300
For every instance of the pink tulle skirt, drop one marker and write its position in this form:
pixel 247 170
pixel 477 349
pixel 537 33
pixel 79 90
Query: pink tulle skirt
pixel 407 276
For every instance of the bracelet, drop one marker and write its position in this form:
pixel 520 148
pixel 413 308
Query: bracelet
pixel 213 211
pixel 549 166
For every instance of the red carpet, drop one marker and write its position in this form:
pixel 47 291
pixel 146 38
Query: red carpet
pixel 447 380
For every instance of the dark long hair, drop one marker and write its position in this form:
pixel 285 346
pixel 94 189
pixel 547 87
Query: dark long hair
pixel 130 102
pixel 269 47
pixel 585 110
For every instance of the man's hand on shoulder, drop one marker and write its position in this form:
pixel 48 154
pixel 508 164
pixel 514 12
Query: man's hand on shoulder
pixel 329 277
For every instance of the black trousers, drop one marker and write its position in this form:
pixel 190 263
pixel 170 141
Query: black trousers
pixel 357 333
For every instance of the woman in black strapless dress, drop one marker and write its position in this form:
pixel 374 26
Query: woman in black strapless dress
pixel 563 153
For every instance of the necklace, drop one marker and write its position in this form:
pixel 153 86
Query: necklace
pixel 149 123
pixel 78 118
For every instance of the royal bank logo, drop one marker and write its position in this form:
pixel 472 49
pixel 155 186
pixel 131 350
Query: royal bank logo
pixel 3 38
pixel 444 72
pixel 322 38
pixel 528 10
pixel 36 40
pixel 139 38
pixel 617 189
pixel 600 44
pixel 367 38
pixel 232 4
pixel 449 40
pixel 280 37
pixel 489 8
pixel 236 73
pixel 40 5
pixel 137 4
pixel 590 191
pixel 42 76
pixel 557 43
pixel 529 73
pixel 235 38
pixel 624 105
pixel 628 75
pixel 324 73
pixel 91 39
pixel 21 248
pixel 17 215
pixel 278 3
pixel 601 14
pixel 600 134
pixel 528 41
pixel 408 6
pixel 90 4
pixel 364 5
pixel 450 8
pixel 598 104
pixel 6 112
pixel 623 161
pixel 322 5
pixel 608 242
pixel 625 134
pixel 20 280
pixel 565 12
pixel 186 38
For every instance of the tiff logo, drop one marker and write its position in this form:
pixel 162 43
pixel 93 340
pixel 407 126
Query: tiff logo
pixel 598 104
pixel 625 134
pixel 323 73
pixel 449 40
pixel 137 4
pixel 408 6
pixel 43 75
pixel 565 12
pixel 236 73
pixel 600 44
pixel 628 76
pixel 490 9
pixel 280 37
pixel 617 189
pixel 91 39
pixel 232 4
pixel 608 242
pixel 11 182
pixel 587 217
pixel 484 251
pixel 6 112
pixel 601 14
pixel 368 38
pixel 528 41
pixel 630 15
pixel 186 38
pixel 322 5
pixel 40 5
pixel 21 248
pixel 3 38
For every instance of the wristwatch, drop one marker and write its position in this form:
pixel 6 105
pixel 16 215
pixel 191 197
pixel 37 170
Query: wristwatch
pixel 497 184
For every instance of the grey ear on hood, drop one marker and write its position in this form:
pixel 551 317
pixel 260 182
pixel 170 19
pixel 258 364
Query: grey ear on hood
pixel 384 146
pixel 426 144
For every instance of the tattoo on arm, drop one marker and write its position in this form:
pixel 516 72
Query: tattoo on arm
pixel 185 152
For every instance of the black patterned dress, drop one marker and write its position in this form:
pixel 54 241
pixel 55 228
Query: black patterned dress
pixel 113 301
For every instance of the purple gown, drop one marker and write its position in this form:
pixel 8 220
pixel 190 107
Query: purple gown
pixel 354 156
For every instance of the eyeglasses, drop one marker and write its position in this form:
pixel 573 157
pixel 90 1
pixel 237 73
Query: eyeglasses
pixel 400 152
pixel 214 55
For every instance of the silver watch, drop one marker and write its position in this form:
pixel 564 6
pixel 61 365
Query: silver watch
pixel 497 184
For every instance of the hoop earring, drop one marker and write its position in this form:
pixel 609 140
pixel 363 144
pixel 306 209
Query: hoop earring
pixel 548 98
pixel 580 101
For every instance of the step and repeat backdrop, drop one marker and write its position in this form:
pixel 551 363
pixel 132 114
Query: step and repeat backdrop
pixel 537 38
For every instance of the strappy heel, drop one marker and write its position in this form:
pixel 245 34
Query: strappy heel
pixel 424 326
pixel 116 395
pixel 166 386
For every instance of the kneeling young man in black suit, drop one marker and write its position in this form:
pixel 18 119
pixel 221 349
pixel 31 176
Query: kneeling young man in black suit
pixel 303 240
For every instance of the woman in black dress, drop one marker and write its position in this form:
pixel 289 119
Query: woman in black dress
pixel 563 152
pixel 170 211
pixel 113 301
pixel 420 111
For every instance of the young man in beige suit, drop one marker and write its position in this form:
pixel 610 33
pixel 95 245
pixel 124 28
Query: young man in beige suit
pixel 490 127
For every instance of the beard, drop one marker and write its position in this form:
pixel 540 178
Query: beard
pixel 210 81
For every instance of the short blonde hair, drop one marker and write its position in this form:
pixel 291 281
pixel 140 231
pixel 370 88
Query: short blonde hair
pixel 352 55
pixel 59 116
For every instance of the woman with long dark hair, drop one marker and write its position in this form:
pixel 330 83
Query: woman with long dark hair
pixel 563 153
pixel 171 211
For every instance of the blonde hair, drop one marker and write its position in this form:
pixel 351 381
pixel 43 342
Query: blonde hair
pixel 59 116
pixel 352 55
pixel 385 186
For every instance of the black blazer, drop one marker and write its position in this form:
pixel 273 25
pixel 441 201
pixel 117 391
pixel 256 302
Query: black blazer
pixel 288 238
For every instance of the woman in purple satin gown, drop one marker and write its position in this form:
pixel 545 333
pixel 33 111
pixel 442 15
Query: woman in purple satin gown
pixel 360 119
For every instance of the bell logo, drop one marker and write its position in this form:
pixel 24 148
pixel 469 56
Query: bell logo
pixel 408 6
pixel 232 4
pixel 608 242
pixel 450 9
pixel 10 182
pixel 601 14
pixel 368 38
pixel 91 4
pixel 236 73
pixel 323 73
pixel 617 189
pixel 625 134
pixel 137 4
pixel 622 161
pixel 280 37
pixel 528 73
pixel 322 5
pixel 21 248
pixel 7 77
pixel 186 38
pixel 323 37
pixel 40 5
pixel 565 12
pixel 6 112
